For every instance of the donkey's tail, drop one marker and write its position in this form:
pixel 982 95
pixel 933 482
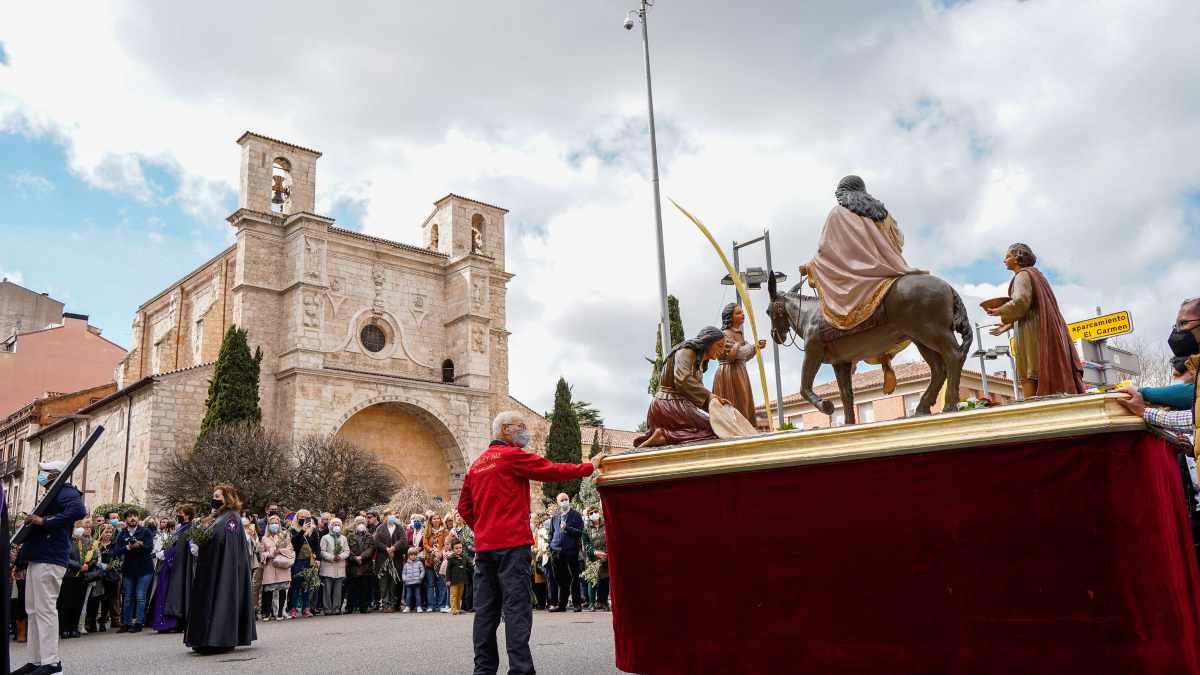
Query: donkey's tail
pixel 962 326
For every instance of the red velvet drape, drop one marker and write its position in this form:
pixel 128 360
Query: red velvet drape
pixel 1063 556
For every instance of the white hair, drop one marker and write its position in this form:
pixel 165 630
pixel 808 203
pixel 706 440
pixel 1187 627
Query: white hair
pixel 506 417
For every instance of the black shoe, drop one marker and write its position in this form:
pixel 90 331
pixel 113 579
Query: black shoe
pixel 25 669
pixel 577 610
pixel 557 609
pixel 123 629
pixel 137 628
pixel 47 669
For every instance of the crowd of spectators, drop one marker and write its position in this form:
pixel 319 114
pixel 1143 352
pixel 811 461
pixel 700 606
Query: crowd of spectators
pixel 307 564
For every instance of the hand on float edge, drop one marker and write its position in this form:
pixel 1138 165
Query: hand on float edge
pixel 1001 329
pixel 598 458
pixel 1135 403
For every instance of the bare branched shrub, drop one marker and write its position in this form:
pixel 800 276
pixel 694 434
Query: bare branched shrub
pixel 254 460
pixel 332 474
pixel 411 499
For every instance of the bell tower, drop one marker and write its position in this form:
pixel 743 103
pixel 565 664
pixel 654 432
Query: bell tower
pixel 276 177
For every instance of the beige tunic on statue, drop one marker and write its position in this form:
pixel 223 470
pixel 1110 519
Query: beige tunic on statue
pixel 1022 311
pixel 857 261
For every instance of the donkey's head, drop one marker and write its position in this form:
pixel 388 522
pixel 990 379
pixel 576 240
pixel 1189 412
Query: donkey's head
pixel 786 311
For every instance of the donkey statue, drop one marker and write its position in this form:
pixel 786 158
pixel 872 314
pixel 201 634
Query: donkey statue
pixel 918 307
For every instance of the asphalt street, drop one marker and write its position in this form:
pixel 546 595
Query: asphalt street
pixel 580 644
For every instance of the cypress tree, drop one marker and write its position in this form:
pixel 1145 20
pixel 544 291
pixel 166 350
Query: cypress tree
pixel 233 391
pixel 563 443
pixel 595 449
pixel 677 335
pixel 675 320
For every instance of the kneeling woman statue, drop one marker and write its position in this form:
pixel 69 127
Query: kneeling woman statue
pixel 674 416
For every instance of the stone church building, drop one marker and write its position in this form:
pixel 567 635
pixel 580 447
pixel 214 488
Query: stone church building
pixel 400 348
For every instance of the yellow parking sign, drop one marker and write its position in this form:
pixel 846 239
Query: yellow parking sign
pixel 1100 327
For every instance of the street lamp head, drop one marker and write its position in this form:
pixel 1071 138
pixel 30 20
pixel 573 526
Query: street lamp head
pixel 629 21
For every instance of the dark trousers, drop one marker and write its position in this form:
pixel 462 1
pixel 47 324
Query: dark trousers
pixel 551 585
pixel 70 603
pixel 503 583
pixel 373 591
pixel 468 598
pixel 567 568
pixel 601 592
pixel 359 593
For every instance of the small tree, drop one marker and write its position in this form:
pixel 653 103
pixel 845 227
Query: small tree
pixel 250 458
pixel 563 442
pixel 233 390
pixel 336 475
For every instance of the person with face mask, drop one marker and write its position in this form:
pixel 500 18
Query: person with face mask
pixel 221 611
pixel 1184 342
pixel 275 551
pixel 495 503
pixel 566 547
pixel 595 547
pixel 45 555
pixel 391 544
pixel 335 550
pixel 168 603
pixel 70 603
pixel 360 567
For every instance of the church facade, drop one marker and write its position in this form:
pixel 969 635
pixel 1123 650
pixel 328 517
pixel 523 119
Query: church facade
pixel 401 348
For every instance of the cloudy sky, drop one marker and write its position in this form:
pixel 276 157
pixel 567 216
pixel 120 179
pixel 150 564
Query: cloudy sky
pixel 1070 126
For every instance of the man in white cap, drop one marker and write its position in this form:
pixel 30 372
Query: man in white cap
pixel 46 553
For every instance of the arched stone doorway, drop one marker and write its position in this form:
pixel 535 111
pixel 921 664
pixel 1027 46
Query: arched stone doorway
pixel 410 439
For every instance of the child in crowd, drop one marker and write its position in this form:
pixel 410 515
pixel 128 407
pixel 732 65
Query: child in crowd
pixel 458 571
pixel 412 575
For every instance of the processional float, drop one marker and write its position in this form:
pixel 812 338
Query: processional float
pixel 1047 536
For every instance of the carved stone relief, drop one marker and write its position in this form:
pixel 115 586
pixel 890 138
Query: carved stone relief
pixel 312 311
pixel 313 250
pixel 336 293
pixel 417 308
pixel 378 277
pixel 477 336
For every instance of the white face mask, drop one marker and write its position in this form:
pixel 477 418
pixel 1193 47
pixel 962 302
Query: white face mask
pixel 595 517
pixel 77 532
pixel 564 506
pixel 361 528
pixel 336 529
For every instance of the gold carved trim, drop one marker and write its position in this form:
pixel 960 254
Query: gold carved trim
pixel 1032 421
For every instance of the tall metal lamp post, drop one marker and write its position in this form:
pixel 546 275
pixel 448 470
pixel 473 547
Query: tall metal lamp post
pixel 664 326
pixel 754 278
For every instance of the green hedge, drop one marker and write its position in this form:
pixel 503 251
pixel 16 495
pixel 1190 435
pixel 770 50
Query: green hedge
pixel 120 508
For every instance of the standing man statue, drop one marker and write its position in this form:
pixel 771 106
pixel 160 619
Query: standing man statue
pixel 47 552
pixel 1046 359
pixel 859 257
pixel 495 503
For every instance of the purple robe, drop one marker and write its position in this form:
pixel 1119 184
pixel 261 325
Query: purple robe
pixel 159 620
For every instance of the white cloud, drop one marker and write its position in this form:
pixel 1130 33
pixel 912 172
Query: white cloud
pixel 29 184
pixel 14 276
pixel 980 125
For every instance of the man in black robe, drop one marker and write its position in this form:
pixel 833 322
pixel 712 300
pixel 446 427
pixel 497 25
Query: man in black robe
pixel 221 609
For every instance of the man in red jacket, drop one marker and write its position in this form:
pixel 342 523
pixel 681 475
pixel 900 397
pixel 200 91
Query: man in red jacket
pixel 495 503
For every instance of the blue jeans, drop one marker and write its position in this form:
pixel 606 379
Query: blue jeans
pixel 134 590
pixel 412 596
pixel 298 598
pixel 437 595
